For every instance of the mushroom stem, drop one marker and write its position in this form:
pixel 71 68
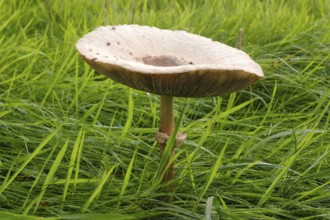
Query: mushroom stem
pixel 167 127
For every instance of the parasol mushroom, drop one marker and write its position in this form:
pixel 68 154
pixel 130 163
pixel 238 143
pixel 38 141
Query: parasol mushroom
pixel 170 64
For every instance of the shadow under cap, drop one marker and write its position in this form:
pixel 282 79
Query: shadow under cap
pixel 194 66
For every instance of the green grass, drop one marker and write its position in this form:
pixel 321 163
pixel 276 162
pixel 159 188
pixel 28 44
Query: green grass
pixel 74 144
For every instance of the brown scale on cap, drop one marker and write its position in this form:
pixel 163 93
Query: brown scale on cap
pixel 163 61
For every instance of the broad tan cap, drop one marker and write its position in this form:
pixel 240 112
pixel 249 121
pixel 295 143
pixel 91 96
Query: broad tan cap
pixel 166 62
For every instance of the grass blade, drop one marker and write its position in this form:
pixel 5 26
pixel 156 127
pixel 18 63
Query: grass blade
pixel 12 216
pixel 129 116
pixel 77 145
pixel 212 175
pixel 126 179
pixel 208 208
pixel 29 159
pixel 98 189
pixel 282 172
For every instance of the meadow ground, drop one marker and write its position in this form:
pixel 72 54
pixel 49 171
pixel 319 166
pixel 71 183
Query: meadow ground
pixel 74 144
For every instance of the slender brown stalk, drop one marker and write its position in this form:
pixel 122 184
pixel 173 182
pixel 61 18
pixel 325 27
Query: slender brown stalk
pixel 240 38
pixel 167 127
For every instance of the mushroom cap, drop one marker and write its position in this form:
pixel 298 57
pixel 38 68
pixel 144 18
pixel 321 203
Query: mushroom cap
pixel 166 62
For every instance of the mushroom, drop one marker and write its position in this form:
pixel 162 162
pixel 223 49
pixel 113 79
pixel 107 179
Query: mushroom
pixel 170 64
